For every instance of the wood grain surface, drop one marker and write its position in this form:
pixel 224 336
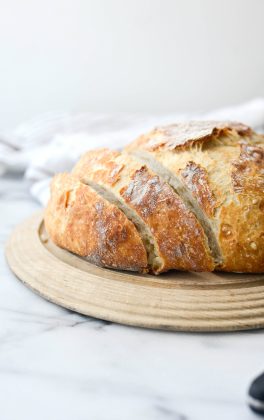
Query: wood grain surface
pixel 173 301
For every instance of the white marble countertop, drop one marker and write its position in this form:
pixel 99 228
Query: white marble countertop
pixel 58 365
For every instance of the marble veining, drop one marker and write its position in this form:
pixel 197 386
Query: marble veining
pixel 59 365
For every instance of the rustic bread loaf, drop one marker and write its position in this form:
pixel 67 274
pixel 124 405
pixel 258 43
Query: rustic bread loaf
pixel 219 169
pixel 187 196
pixel 83 222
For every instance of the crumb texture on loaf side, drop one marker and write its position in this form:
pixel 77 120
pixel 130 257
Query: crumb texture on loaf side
pixel 178 239
pixel 223 168
pixel 81 221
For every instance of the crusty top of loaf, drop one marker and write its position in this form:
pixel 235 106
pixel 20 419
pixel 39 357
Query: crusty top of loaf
pixel 222 166
pixel 183 134
pixel 213 159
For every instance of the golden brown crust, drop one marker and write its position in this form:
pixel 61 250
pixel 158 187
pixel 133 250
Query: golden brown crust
pixel 241 234
pixel 242 221
pixel 182 135
pixel 195 178
pixel 81 221
pixel 104 162
pixel 179 237
pixel 232 180
pixel 248 171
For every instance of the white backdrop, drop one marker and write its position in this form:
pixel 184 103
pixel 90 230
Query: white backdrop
pixel 128 55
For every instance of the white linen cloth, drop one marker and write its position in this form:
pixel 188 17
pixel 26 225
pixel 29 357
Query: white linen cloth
pixel 54 142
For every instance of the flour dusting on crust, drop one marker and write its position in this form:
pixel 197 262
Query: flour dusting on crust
pixel 248 171
pixel 180 135
pixel 196 179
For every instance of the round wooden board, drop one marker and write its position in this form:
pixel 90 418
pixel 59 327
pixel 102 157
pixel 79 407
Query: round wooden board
pixel 172 301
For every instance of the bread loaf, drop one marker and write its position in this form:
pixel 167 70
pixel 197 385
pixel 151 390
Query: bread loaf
pixel 187 196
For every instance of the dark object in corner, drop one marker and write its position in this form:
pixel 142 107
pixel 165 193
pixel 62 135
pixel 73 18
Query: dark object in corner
pixel 256 395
